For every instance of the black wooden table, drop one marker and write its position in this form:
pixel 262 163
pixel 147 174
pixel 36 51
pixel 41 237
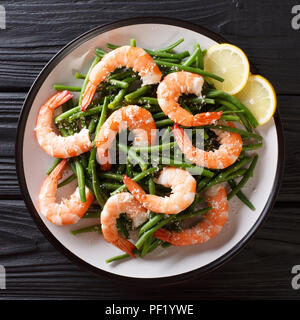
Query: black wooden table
pixel 35 31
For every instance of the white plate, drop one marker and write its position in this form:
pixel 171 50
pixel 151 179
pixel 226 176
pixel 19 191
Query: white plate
pixel 90 250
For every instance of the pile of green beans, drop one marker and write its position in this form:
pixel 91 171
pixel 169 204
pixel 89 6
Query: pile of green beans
pixel 123 87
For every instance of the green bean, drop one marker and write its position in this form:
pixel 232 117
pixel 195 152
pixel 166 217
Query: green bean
pixel 129 170
pixel 96 227
pixel 81 182
pixel 188 62
pixel 244 180
pixel 132 42
pixel 199 100
pixel 156 148
pixel 172 46
pixel 230 118
pixel 96 188
pixel 241 195
pixel 136 94
pixel 67 114
pixel 164 123
pixel 157 53
pixel 225 96
pixel 121 75
pixel 200 57
pixel 137 178
pixel 119 83
pixel 148 100
pixel 133 155
pixel 150 223
pixel 151 185
pixel 159 115
pixel 203 183
pixel 110 185
pixel 236 174
pixel 171 60
pixel 117 100
pixel 254 146
pixel 100 53
pixel 62 87
pixel 116 258
pixel 177 67
pixel 152 247
pixel 86 113
pixel 146 246
pixel 92 158
pixel 190 167
pixel 236 130
pixel 229 111
pixel 102 118
pixel 181 217
pixel 150 232
pixel 167 55
pixel 222 176
pixel 54 164
pixel 235 109
pixel 166 135
pixel 80 75
pixel 111 175
pixel 67 181
pixel 92 124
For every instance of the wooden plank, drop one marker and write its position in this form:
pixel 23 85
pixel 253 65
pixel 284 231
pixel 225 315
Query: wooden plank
pixel 36 31
pixel 261 270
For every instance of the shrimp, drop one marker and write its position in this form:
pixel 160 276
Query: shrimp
pixel 53 144
pixel 70 210
pixel 136 119
pixel 168 93
pixel 130 57
pixel 230 147
pixel 209 227
pixel 183 187
pixel 121 203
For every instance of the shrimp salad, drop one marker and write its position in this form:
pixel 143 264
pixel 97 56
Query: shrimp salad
pixel 156 150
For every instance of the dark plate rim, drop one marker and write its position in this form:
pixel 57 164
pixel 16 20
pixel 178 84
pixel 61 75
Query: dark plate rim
pixel 21 176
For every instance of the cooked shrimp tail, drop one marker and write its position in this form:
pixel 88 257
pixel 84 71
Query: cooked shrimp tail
pixel 88 95
pixel 59 99
pixel 59 169
pixel 125 245
pixel 135 189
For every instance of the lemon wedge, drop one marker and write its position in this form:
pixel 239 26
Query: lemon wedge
pixel 259 97
pixel 230 63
